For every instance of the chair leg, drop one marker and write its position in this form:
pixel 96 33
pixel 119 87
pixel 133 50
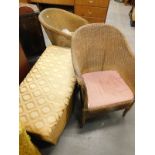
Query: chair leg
pixel 127 109
pixel 125 112
pixel 83 120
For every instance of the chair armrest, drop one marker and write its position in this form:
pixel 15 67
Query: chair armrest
pixel 126 66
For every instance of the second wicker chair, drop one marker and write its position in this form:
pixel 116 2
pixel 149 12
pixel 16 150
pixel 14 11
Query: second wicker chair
pixel 55 21
pixel 104 67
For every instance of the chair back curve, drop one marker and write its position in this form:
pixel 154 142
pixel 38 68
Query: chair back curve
pixel 54 20
pixel 98 47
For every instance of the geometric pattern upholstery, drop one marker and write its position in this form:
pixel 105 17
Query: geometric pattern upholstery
pixel 106 89
pixel 46 92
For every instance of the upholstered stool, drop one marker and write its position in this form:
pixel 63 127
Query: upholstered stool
pixel 46 94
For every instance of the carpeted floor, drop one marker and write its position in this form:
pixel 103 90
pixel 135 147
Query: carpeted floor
pixel 106 135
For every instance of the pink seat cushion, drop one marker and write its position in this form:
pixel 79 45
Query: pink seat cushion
pixel 106 89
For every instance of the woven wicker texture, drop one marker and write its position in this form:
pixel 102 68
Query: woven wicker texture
pixel 99 47
pixel 25 145
pixel 46 93
pixel 55 20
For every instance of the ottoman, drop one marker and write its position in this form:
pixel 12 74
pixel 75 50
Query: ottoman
pixel 46 94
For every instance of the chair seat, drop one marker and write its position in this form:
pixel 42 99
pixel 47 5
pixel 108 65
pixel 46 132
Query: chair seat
pixel 106 89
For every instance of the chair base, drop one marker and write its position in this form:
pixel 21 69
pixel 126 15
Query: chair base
pixel 126 110
pixel 85 114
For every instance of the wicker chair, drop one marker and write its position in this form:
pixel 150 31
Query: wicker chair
pixel 55 20
pixel 104 67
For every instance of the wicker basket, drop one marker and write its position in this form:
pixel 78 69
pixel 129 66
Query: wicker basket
pixel 55 20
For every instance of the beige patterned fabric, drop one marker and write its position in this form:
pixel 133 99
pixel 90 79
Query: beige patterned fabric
pixel 46 92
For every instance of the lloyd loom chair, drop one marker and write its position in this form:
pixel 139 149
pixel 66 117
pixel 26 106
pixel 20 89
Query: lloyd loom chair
pixel 55 21
pixel 104 67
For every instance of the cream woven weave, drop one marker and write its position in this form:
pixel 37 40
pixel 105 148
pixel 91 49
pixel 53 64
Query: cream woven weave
pixel 100 47
pixel 55 20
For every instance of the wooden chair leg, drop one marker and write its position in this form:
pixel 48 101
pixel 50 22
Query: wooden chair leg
pixel 127 109
pixel 125 112
pixel 82 123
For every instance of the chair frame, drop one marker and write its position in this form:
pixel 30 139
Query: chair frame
pixel 86 112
